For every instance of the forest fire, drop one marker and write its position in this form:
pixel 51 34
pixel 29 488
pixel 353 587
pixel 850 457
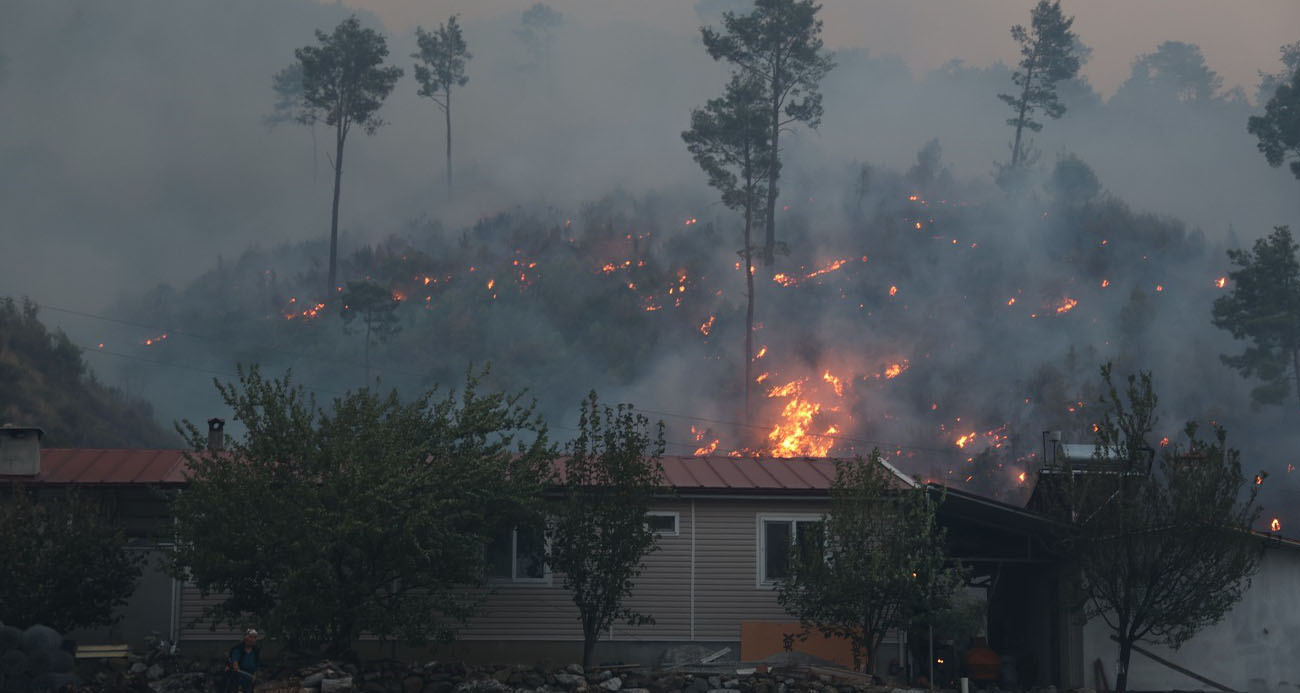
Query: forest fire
pixel 307 314
pixel 155 340
pixel 793 436
pixel 1221 282
pixel 706 326
pixel 1067 306
pixel 705 448
pixel 1275 525
pixel 788 280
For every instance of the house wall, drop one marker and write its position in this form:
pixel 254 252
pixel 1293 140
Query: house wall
pixel 1252 649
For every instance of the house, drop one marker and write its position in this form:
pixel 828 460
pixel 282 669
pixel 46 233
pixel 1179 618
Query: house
pixel 722 541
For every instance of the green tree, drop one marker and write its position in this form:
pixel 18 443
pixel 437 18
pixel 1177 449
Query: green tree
pixel 344 82
pixel 1278 130
pixel 1269 82
pixel 65 566
pixel 730 140
pixel 1175 70
pixel 290 107
pixel 371 517
pixel 1162 545
pixel 876 562
pixel 1264 307
pixel 599 536
pixel 536 30
pixel 1048 51
pixel 441 65
pixel 779 45
pixel 376 307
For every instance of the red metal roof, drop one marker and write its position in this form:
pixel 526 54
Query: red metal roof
pixel 97 466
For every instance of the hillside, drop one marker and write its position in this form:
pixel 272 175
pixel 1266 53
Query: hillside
pixel 44 382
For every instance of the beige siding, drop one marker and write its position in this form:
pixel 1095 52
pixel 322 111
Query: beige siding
pixel 192 627
pixel 718 536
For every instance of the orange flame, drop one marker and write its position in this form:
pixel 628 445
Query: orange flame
pixel 1164 442
pixel 1105 283
pixel 762 376
pixel 784 279
pixel 155 340
pixel 706 326
pixel 828 268
pixel 1011 301
pixel 1160 287
pixel 835 383
pixel 1275 525
pixel 893 369
pixel 1221 282
pixel 762 351
pixel 1067 306
pixel 491 283
pixel 1021 477
pixel 793 436
pixel 893 290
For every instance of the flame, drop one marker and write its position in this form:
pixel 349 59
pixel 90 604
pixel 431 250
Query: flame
pixel 1221 282
pixel 893 290
pixel 784 279
pixel 491 283
pixel 828 268
pixel 1160 287
pixel 707 449
pixel 1164 442
pixel 608 267
pixel 1067 306
pixel 1259 479
pixel 1021 477
pixel 762 376
pixel 893 369
pixel 762 351
pixel 691 221
pixel 793 436
pixel 1105 283
pixel 1011 301
pixel 1275 525
pixel 398 296
pixel 155 340
pixel 835 383
pixel 963 440
pixel 706 326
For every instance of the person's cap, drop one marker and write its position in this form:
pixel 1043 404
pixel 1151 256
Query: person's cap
pixel 252 632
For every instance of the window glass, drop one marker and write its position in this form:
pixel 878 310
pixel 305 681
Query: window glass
pixel 663 524
pixel 498 554
pixel 776 559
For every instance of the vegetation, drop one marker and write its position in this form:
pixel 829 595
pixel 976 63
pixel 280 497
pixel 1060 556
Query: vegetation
pixel 44 382
pixel 344 82
pixel 730 140
pixel 1278 130
pixel 441 65
pixel 65 566
pixel 876 562
pixel 1048 55
pixel 368 517
pixel 779 46
pixel 599 534
pixel 1264 307
pixel 376 308
pixel 1162 542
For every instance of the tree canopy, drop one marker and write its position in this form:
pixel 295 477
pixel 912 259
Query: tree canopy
pixel 440 66
pixel 599 533
pixel 65 566
pixel 1264 307
pixel 369 517
pixel 1278 130
pixel 1162 541
pixel 875 562
pixel 1048 50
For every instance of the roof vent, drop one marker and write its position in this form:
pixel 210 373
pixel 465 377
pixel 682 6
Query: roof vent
pixel 216 434
pixel 20 450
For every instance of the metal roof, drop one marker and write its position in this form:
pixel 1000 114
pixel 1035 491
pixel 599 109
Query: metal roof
pixel 99 466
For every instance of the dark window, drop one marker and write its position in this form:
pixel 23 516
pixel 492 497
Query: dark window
pixel 808 540
pixel 517 555
pixel 662 523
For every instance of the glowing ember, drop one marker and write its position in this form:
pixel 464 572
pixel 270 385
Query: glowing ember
pixel 1011 301
pixel 784 279
pixel 828 268
pixel 893 290
pixel 398 296
pixel 1021 477
pixel 762 351
pixel 762 376
pixel 491 283
pixel 308 314
pixel 155 340
pixel 893 369
pixel 1105 283
pixel 1067 306
pixel 1259 479
pixel 1221 282
pixel 1275 525
pixel 692 221
pixel 1164 442
pixel 963 440
pixel 1160 287
pixel 608 267
pixel 706 326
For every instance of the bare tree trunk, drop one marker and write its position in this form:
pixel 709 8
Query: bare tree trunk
pixel 331 290
pixel 447 113
pixel 749 308
pixel 769 240
pixel 1024 106
pixel 1295 362
pixel 588 648
pixel 1121 676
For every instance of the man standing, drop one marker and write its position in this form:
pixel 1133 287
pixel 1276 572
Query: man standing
pixel 242 663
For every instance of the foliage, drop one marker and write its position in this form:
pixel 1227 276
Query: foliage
pixel 1162 543
pixel 1278 130
pixel 598 530
pixel 344 82
pixel 1073 181
pixel 290 105
pixel 45 382
pixel 1049 55
pixel 779 45
pixel 371 517
pixel 441 65
pixel 376 307
pixel 65 566
pixel 536 31
pixel 1264 307
pixel 884 563
pixel 730 140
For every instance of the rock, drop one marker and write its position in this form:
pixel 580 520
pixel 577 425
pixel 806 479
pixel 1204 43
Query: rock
pixel 137 668
pixel 339 685
pixel 312 680
pixel 715 682
pixel 612 684
pixel 40 637
pixel 569 680
pixel 604 675
pixel 501 675
pixel 575 669
pixel 481 686
pixel 154 673
pixel 636 690
pixel 412 684
pixel 697 686
pixel 10 638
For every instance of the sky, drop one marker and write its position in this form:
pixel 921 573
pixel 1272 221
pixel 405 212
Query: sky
pixel 1238 38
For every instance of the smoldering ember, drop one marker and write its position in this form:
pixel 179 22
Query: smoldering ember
pixel 601 345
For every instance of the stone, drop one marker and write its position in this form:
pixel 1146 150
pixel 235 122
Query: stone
pixel 501 675
pixel 612 684
pixel 697 686
pixel 137 668
pixel 575 669
pixel 339 685
pixel 569 680
pixel 412 684
pixel 604 675
pixel 715 682
pixel 312 680
pixel 40 637
pixel 154 673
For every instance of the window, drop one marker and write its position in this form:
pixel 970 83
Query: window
pixel 777 536
pixel 662 523
pixel 516 555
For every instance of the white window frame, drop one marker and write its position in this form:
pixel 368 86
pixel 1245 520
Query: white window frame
pixel 545 579
pixel 677 522
pixel 761 581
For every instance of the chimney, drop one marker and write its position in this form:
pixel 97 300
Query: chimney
pixel 216 434
pixel 20 450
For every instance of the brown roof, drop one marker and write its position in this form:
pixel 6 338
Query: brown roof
pixel 98 466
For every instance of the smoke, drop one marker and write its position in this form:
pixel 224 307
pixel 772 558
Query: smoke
pixel 141 184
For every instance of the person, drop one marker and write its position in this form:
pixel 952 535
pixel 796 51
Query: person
pixel 242 663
